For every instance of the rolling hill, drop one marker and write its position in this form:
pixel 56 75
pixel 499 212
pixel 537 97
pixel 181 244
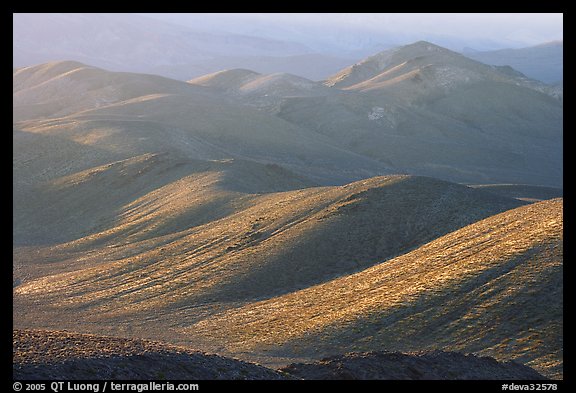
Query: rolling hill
pixel 436 69
pixel 234 246
pixel 246 285
pixel 56 355
pixel 493 287
pixel 266 92
pixel 427 366
pixel 250 83
pixel 422 109
pixel 484 126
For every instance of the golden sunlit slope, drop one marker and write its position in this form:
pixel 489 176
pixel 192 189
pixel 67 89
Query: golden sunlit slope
pixel 493 287
pixel 160 261
pixel 227 79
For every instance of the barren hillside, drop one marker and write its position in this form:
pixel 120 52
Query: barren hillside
pixel 434 365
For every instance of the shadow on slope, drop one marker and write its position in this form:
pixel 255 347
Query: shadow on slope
pixel 276 243
pixel 493 287
pixel 374 220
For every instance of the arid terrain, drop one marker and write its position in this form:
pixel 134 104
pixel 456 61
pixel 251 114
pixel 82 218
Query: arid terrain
pixel 56 355
pixel 407 209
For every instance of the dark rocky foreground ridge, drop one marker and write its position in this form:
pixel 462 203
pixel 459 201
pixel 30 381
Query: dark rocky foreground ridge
pixel 55 355
pixel 434 365
pixel 39 354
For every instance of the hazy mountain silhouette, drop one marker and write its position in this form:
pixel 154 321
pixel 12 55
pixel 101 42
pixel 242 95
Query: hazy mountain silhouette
pixel 129 42
pixel 544 62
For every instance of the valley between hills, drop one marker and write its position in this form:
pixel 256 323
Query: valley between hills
pixel 412 202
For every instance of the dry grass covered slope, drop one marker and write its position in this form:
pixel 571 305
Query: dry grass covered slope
pixel 146 192
pixel 430 65
pixel 260 247
pixel 493 287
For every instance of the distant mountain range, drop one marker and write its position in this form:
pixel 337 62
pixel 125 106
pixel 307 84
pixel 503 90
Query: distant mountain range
pixel 129 42
pixel 418 109
pixel 159 44
pixel 543 62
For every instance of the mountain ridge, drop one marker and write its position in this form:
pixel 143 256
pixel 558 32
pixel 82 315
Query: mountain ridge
pixel 419 61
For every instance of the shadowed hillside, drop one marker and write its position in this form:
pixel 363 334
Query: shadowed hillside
pixel 155 193
pixel 522 192
pixel 258 245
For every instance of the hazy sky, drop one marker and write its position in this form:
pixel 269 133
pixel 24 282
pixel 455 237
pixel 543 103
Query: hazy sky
pixel 506 29
pixel 523 27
